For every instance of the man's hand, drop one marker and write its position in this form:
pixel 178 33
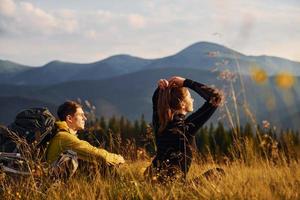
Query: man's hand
pixel 114 159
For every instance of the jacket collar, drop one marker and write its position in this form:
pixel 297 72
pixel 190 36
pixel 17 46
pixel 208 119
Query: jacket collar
pixel 178 117
pixel 63 126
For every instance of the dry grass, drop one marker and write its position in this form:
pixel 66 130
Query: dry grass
pixel 258 180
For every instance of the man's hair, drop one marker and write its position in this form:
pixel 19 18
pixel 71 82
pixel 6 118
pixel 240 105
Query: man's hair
pixel 67 108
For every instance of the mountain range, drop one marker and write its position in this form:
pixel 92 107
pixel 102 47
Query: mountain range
pixel 123 84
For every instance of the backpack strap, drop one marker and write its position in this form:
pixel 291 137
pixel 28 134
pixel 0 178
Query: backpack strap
pixel 13 171
pixel 11 157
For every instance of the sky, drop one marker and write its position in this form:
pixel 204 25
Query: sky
pixel 35 32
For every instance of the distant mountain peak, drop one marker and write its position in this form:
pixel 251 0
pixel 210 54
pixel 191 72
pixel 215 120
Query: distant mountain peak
pixel 202 44
pixel 7 66
pixel 53 62
pixel 118 57
pixel 8 62
pixel 206 47
pixel 58 63
pixel 121 57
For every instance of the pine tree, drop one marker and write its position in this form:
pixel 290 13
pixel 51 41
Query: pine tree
pixel 202 140
pixel 136 127
pixel 212 142
pixel 103 123
pixel 143 126
pixel 113 125
pixel 248 131
pixel 122 127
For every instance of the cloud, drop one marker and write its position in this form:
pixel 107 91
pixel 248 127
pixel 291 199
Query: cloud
pixel 91 34
pixel 144 28
pixel 7 8
pixel 136 21
pixel 23 18
pixel 104 15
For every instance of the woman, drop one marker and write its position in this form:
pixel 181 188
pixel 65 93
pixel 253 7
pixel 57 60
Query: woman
pixel 175 134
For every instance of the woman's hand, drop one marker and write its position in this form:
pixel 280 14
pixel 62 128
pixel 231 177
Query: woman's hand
pixel 176 81
pixel 163 84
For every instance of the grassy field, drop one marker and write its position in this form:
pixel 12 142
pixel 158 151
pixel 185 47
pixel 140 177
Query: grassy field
pixel 258 180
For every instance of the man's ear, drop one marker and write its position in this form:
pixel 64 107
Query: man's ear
pixel 68 118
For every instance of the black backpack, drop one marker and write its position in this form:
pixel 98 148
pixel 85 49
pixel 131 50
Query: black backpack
pixel 34 126
pixel 25 138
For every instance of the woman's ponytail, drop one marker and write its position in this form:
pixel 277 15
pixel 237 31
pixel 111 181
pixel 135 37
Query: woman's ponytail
pixel 170 100
pixel 164 110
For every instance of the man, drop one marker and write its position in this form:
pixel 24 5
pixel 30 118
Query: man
pixel 72 119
